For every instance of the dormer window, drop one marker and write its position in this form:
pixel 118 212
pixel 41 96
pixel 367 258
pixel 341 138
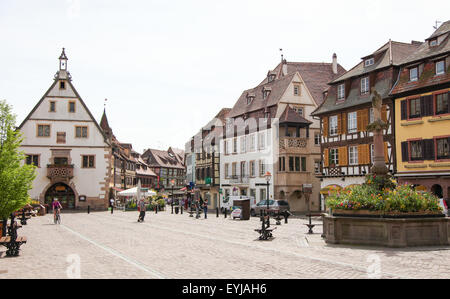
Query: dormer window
pixel 271 77
pixel 433 42
pixel 250 98
pixel 413 74
pixel 440 67
pixel 266 93
pixel 369 62
pixel 341 91
pixel 364 85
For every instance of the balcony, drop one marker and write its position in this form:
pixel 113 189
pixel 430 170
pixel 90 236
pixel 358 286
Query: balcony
pixel 59 172
pixel 292 143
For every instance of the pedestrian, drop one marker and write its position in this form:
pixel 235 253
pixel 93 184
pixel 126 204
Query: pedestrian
pixel 111 204
pixel 141 207
pixel 205 207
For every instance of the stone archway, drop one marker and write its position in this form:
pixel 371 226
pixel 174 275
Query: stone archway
pixel 64 193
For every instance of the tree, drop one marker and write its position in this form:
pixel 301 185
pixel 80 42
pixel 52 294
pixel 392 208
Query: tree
pixel 16 177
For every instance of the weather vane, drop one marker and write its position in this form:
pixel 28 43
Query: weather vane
pixel 104 103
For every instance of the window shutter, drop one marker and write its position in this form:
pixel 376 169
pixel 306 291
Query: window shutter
pixel 364 119
pixel 386 153
pixel 359 120
pixel 372 78
pixel 360 154
pixel 448 99
pixel 343 157
pixel 428 149
pixel 384 113
pixel 366 154
pixel 326 158
pixel 426 105
pixel 339 124
pixel 344 123
pixel 404 109
pixel 405 156
pixel 325 126
pixel 348 86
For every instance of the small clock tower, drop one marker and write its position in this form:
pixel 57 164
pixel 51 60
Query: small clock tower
pixel 63 61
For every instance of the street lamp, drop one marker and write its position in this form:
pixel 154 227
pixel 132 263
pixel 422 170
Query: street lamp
pixel 172 182
pixel 268 176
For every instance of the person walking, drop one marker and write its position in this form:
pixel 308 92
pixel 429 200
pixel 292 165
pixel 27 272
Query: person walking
pixel 111 204
pixel 205 208
pixel 141 206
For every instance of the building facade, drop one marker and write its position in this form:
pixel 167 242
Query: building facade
pixel 270 129
pixel 70 150
pixel 207 159
pixel 422 116
pixel 169 168
pixel 346 144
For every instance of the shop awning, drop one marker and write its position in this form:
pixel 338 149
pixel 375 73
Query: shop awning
pixel 329 189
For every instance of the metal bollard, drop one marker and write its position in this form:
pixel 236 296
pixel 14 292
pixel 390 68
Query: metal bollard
pixel 89 209
pixel 181 210
pixel 217 212
pixel 156 209
pixel 225 212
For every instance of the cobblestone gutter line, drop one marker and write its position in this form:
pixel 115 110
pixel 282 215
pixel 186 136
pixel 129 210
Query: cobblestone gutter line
pixel 137 264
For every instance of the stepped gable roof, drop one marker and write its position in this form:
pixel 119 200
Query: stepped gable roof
pixel 291 116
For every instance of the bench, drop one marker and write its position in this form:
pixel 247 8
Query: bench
pixel 12 245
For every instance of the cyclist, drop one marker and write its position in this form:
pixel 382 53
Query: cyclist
pixel 56 208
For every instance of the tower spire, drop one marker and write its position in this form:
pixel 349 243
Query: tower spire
pixel 63 61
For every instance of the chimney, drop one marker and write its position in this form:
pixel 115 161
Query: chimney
pixel 285 69
pixel 334 66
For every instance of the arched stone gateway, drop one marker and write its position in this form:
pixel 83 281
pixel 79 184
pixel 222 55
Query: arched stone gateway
pixel 64 193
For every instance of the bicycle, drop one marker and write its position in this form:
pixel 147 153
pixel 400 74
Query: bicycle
pixel 57 217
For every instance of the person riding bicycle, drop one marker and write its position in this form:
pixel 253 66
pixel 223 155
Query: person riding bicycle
pixel 56 205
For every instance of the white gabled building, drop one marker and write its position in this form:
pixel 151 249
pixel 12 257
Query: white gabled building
pixel 70 150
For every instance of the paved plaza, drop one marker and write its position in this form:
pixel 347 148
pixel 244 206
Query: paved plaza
pixel 101 245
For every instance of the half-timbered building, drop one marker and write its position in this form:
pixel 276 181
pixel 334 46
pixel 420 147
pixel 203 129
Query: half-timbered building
pixel 346 144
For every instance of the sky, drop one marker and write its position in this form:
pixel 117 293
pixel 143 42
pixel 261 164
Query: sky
pixel 168 67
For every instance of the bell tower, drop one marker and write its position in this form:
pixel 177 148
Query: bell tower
pixel 63 61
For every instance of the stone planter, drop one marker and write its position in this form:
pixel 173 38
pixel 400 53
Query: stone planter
pixel 382 214
pixel 419 230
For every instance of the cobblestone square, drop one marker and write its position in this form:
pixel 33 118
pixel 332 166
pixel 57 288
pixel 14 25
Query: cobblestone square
pixel 101 245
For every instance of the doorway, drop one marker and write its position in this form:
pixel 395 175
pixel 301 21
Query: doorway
pixel 64 193
pixel 437 190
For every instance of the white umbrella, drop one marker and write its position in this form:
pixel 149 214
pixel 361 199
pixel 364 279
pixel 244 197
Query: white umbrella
pixel 138 193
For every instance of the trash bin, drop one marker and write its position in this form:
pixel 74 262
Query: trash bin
pixel 244 204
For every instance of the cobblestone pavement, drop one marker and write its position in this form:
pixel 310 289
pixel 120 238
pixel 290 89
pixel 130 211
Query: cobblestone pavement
pixel 178 246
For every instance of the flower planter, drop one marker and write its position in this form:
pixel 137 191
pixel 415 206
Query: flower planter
pixel 383 214
pixel 409 230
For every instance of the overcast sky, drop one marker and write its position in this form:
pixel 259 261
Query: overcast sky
pixel 167 67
